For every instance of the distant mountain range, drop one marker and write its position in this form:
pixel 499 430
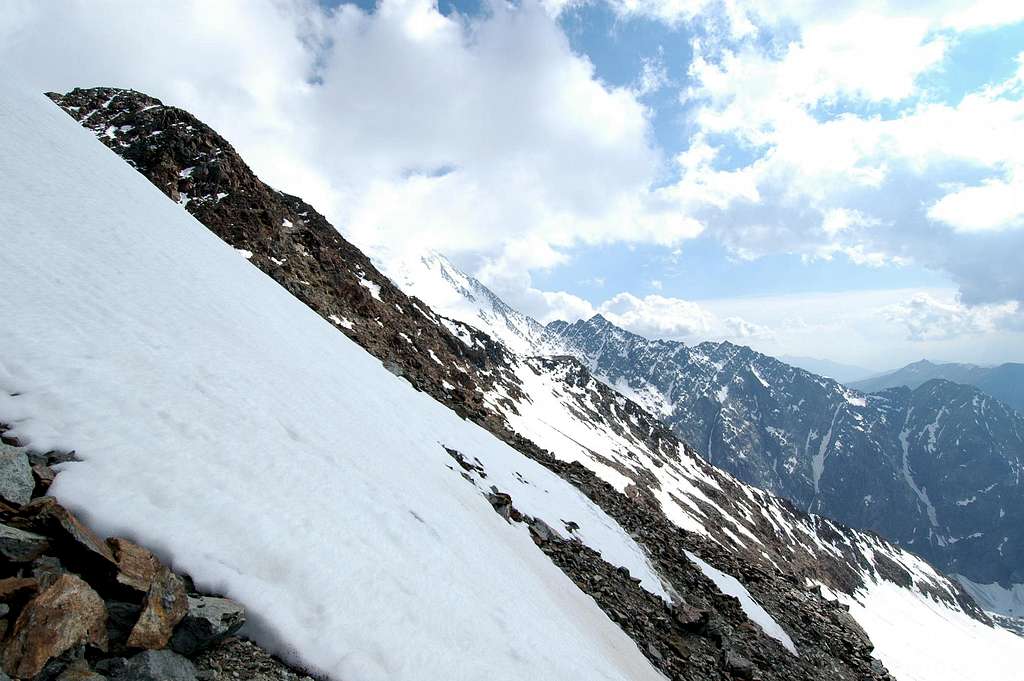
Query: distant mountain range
pixel 844 373
pixel 1004 382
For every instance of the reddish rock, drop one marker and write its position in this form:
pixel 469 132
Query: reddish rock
pixel 13 588
pixel 137 567
pixel 46 516
pixel 44 476
pixel 166 605
pixel 67 614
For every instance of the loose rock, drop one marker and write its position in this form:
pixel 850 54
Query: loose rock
pixel 16 482
pixel 209 621
pixel 157 665
pixel 137 567
pixel 20 546
pixel 67 614
pixel 166 605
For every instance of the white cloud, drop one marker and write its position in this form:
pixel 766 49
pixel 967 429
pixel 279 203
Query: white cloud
pixel 410 129
pixel 829 175
pixel 991 206
pixel 929 318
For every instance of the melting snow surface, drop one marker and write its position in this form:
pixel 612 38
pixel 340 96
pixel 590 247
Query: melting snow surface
pixel 228 426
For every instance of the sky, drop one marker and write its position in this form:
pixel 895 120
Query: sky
pixel 842 180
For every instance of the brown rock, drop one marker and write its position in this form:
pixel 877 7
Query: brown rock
pixel 44 476
pixel 137 567
pixel 166 605
pixel 46 516
pixel 67 614
pixel 13 588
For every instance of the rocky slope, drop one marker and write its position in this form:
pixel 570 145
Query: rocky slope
pixel 937 469
pixel 1004 382
pixel 633 467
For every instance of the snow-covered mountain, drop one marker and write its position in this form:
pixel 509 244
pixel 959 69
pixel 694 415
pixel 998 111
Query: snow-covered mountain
pixel 457 295
pixel 701 533
pixel 1004 382
pixel 937 469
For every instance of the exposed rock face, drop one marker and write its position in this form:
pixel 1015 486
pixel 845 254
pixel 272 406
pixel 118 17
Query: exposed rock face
pixel 936 469
pixel 66 614
pixel 137 567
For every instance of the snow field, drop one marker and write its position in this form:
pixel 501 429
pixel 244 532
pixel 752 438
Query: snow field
pixel 223 423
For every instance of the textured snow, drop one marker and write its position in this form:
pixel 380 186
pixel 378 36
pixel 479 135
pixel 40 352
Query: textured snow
pixel 225 424
pixel 757 614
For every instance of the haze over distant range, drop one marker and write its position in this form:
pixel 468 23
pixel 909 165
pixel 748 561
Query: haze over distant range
pixel 840 183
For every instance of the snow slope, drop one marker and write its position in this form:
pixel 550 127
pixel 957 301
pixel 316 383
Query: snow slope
pixel 453 293
pixel 220 420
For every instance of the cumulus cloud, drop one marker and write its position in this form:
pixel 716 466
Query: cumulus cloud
pixel 928 318
pixel 930 182
pixel 409 128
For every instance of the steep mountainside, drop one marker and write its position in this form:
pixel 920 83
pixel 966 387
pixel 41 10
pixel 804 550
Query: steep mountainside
pixel 674 505
pixel 938 469
pixel 1004 382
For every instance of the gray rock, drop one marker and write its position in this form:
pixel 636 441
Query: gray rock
pixel 209 621
pixel 19 546
pixel 157 665
pixel 16 481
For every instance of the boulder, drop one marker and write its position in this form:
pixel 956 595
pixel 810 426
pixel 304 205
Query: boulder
pixel 166 605
pixel 16 481
pixel 209 621
pixel 66 614
pixel 157 665
pixel 20 546
pixel 137 567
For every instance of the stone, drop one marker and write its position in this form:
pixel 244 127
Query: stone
pixel 46 570
pixel 541 530
pixel 689 617
pixel 13 589
pixel 157 665
pixel 44 476
pixel 45 515
pixel 20 546
pixel 79 671
pixel 166 605
pixel 66 614
pixel 209 621
pixel 16 481
pixel 737 664
pixel 121 619
pixel 137 567
pixel 501 502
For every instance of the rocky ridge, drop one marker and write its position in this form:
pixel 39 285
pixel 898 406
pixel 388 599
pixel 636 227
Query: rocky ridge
pixel 377 316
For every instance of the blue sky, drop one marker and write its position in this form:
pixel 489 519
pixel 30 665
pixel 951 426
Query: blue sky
pixel 839 180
